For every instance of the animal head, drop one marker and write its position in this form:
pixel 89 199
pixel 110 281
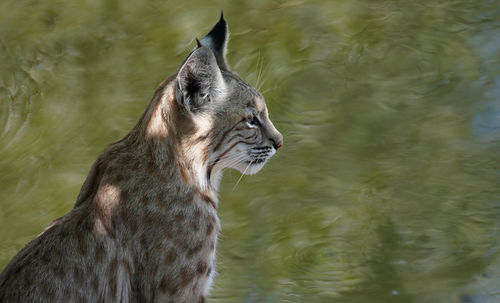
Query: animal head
pixel 229 114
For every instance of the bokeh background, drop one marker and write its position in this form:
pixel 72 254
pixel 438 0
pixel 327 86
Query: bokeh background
pixel 387 188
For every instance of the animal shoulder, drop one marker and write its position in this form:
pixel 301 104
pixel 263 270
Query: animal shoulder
pixel 144 227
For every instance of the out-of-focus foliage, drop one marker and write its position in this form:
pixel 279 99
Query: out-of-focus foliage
pixel 387 188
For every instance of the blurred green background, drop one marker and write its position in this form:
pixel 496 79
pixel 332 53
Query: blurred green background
pixel 387 188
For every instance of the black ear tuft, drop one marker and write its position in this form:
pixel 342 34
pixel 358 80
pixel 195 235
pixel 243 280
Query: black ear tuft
pixel 216 41
pixel 199 80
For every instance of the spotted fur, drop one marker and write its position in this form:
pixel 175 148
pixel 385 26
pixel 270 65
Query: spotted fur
pixel 144 227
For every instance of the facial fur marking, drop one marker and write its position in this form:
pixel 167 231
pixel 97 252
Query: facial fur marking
pixel 228 150
pixel 224 136
pixel 250 125
pixel 240 136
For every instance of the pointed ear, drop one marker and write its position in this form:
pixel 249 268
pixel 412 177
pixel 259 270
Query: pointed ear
pixel 216 41
pixel 199 80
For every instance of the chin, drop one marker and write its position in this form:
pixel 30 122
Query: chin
pixel 254 168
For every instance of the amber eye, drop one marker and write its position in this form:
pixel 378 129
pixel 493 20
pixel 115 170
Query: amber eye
pixel 254 123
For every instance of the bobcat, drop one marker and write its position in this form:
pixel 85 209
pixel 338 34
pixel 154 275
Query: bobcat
pixel 144 226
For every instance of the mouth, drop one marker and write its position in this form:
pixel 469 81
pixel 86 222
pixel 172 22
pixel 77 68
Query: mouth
pixel 252 166
pixel 260 155
pixel 256 161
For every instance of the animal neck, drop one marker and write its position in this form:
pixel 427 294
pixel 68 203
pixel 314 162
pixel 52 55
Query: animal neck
pixel 175 145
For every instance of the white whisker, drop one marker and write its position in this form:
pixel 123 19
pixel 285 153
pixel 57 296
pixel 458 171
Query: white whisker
pixel 257 72
pixel 242 174
pixel 260 72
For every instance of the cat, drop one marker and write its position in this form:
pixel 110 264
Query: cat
pixel 144 226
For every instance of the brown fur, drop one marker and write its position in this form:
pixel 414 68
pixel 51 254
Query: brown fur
pixel 144 227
